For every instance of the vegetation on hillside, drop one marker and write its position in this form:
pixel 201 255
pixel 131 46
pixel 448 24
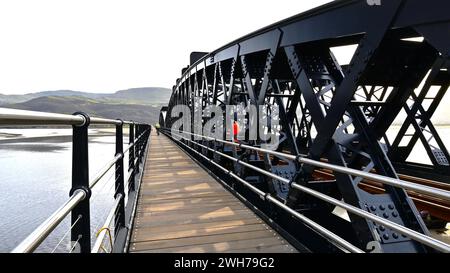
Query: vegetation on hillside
pixel 140 104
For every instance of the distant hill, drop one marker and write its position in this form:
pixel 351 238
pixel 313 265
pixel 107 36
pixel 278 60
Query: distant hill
pixel 147 95
pixel 144 95
pixel 138 104
pixel 69 105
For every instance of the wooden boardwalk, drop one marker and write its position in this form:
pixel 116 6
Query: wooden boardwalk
pixel 181 208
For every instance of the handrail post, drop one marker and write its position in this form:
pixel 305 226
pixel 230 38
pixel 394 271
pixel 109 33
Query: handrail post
pixel 140 145
pixel 80 216
pixel 131 158
pixel 119 185
pixel 136 149
pixel 141 148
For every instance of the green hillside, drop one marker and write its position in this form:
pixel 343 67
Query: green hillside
pixel 135 105
pixel 144 95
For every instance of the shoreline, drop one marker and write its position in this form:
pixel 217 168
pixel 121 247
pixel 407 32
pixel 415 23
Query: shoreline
pixel 12 137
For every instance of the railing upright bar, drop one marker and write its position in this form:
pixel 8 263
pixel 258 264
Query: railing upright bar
pixel 141 148
pixel 143 142
pixel 81 231
pixel 136 149
pixel 119 183
pixel 131 182
pixel 140 145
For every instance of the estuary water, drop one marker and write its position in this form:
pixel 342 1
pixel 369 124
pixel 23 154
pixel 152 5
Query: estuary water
pixel 35 179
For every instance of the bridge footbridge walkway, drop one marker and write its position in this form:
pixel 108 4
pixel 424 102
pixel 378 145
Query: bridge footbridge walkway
pixel 182 208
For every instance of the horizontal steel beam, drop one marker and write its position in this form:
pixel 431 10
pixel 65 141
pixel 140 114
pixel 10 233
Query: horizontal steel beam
pixel 330 22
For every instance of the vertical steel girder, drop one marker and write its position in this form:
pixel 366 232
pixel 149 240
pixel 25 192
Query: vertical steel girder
pixel 336 112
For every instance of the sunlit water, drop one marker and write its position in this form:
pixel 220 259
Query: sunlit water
pixel 35 179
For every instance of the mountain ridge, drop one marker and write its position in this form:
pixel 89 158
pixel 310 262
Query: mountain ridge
pixel 137 104
pixel 139 94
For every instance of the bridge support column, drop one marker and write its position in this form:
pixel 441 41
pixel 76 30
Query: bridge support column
pixel 80 216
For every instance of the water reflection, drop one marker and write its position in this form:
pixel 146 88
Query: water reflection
pixel 33 147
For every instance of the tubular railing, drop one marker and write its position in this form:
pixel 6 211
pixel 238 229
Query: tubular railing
pixel 78 203
pixel 333 238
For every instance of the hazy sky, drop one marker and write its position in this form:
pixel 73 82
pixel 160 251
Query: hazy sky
pixel 108 45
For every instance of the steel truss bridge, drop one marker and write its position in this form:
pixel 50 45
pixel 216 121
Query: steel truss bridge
pixel 338 182
pixel 333 118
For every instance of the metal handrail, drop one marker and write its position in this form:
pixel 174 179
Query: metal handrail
pixel 336 239
pixel 109 165
pixel 9 116
pixel 104 170
pixel 427 240
pixel 265 196
pixel 40 233
pixel 445 195
pixel 134 207
pixel 134 143
pixel 81 192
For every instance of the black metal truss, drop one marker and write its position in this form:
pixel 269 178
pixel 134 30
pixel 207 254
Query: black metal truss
pixel 333 112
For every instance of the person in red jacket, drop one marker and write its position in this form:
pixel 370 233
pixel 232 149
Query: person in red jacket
pixel 235 131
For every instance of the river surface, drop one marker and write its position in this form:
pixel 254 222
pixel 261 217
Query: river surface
pixel 35 179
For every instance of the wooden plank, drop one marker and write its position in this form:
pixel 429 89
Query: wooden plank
pixel 188 201
pixel 258 245
pixel 190 241
pixel 198 212
pixel 167 221
pixel 174 196
pixel 192 214
pixel 199 225
pixel 182 191
pixel 149 236
pixel 181 208
pixel 266 249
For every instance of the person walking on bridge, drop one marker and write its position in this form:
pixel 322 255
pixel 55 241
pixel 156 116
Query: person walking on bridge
pixel 157 126
pixel 235 131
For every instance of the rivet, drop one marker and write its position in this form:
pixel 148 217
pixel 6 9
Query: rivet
pixel 373 208
pixel 395 235
pixel 385 215
pixel 382 207
pixel 391 206
pixel 382 228
pixel 385 236
pixel 395 214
